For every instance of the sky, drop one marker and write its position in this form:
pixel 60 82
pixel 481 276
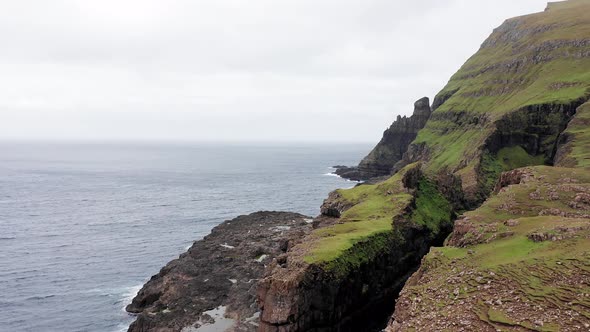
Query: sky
pixel 230 70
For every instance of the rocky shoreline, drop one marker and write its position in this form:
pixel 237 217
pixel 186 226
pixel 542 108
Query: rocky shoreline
pixel 213 285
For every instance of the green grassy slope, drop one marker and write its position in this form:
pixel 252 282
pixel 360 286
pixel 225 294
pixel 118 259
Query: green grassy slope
pixel 576 153
pixel 519 262
pixel 365 229
pixel 537 59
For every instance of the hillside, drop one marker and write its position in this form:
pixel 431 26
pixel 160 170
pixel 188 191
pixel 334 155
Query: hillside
pixel 518 102
pixel 519 90
pixel 520 261
pixel 479 213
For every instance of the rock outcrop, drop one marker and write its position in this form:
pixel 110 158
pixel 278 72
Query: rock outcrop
pixel 345 274
pixel 396 139
pixel 216 280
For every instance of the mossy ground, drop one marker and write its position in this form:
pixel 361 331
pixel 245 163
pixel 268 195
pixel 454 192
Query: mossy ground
pixel 498 278
pixel 369 220
pixel 367 228
pixel 579 146
pixel 432 210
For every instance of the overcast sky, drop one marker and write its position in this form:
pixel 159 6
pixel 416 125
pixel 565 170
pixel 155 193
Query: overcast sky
pixel 230 70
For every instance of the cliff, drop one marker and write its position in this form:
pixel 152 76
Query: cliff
pixel 519 101
pixel 396 139
pixel 343 276
pixel 505 146
pixel 519 261
pixel 519 90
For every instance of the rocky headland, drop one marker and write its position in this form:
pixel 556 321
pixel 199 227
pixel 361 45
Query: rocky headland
pixel 216 280
pixel 390 150
pixel 476 215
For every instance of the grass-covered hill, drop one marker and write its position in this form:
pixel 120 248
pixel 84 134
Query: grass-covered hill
pixel 513 123
pixel 521 260
pixel 519 90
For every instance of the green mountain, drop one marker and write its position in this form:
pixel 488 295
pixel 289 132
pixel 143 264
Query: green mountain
pixel 506 148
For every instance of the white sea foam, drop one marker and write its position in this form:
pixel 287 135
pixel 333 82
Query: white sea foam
pixel 332 174
pixel 129 294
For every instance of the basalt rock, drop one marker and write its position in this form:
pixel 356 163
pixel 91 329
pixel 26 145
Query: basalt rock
pixel 395 142
pixel 219 272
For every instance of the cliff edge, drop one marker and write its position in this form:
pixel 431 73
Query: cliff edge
pixel 390 150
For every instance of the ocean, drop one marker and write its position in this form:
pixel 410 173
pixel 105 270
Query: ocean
pixel 83 226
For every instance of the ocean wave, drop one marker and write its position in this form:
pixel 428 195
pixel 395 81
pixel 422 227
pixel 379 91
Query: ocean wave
pixel 129 294
pixel 332 174
pixel 122 328
pixel 126 298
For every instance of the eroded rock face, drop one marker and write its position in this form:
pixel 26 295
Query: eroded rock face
pixel 299 294
pixel 300 297
pixel 220 271
pixel 393 145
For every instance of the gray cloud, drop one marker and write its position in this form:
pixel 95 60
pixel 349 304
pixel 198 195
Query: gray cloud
pixel 301 70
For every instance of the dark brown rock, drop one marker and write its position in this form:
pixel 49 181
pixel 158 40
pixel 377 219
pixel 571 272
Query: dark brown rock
pixel 393 145
pixel 220 271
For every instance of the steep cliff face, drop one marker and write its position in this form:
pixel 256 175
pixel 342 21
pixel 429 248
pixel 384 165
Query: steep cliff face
pixel 519 261
pixel 573 145
pixel 395 142
pixel 517 92
pixel 510 106
pixel 345 274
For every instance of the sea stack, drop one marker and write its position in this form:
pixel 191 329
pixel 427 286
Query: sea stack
pixel 394 143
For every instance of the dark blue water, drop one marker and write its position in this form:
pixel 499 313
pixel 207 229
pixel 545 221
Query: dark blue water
pixel 83 226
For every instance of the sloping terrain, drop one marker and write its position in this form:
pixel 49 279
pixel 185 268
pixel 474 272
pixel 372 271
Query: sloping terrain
pixel 519 101
pixel 575 140
pixel 511 123
pixel 519 90
pixel 519 262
